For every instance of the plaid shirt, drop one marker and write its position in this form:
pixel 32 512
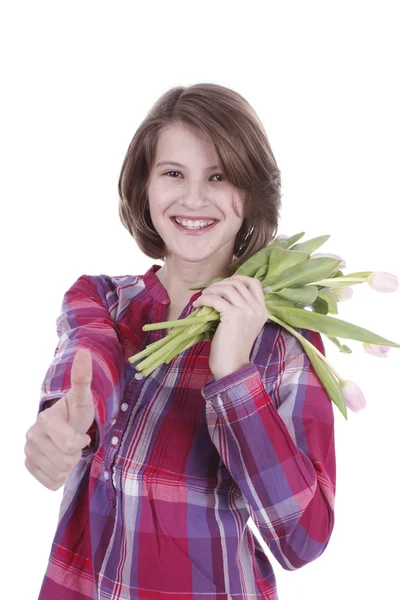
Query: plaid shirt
pixel 158 505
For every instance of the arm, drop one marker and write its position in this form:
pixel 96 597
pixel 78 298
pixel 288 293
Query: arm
pixel 277 441
pixel 85 322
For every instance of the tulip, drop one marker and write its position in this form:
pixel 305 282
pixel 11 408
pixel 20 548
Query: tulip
pixel 383 282
pixel 341 265
pixel 341 294
pixel 376 350
pixel 290 282
pixel 353 396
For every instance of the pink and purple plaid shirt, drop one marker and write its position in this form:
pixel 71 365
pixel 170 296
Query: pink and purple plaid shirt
pixel 158 507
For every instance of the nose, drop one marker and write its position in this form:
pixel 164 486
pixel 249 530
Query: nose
pixel 194 197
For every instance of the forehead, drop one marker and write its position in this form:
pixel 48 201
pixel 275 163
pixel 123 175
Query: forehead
pixel 179 137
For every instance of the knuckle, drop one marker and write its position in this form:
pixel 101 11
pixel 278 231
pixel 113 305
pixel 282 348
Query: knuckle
pixel 42 416
pixel 29 434
pixel 27 450
pixel 69 445
pixel 53 486
pixel 68 464
pixel 61 477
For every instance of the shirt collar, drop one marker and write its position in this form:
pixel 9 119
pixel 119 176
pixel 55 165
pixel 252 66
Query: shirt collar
pixel 156 289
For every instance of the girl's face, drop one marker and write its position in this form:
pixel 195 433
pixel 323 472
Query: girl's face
pixel 196 189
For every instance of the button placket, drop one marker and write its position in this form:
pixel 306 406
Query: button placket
pixel 114 441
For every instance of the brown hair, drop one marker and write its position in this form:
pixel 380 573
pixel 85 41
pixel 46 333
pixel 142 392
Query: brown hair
pixel 244 152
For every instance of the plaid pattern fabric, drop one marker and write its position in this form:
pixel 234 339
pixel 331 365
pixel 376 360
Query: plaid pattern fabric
pixel 158 505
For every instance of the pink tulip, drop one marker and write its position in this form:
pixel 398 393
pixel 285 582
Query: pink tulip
pixel 353 396
pixel 376 350
pixel 341 265
pixel 383 282
pixel 341 294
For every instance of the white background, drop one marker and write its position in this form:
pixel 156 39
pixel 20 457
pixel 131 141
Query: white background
pixel 78 78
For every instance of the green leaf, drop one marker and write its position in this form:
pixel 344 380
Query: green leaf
pixel 320 306
pixel 330 300
pixel 280 302
pixel 298 317
pixel 310 246
pixel 342 347
pixel 293 239
pixel 252 264
pixel 282 259
pixel 309 271
pixel 261 273
pixel 306 294
pixel 328 380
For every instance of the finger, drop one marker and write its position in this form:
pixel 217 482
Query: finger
pixel 220 305
pixel 43 478
pixel 79 399
pixel 49 458
pixel 237 293
pixel 81 379
pixel 254 285
pixel 63 436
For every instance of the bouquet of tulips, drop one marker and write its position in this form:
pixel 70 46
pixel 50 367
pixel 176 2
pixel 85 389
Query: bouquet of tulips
pixel 299 290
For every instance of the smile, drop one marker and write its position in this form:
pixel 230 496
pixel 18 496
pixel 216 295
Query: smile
pixel 194 230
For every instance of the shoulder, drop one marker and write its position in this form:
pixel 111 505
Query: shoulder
pixel 289 351
pixel 115 292
pixel 278 349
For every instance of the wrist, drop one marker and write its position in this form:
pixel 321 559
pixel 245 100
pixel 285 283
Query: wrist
pixel 218 374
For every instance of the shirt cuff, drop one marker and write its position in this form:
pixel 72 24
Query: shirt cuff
pixel 211 391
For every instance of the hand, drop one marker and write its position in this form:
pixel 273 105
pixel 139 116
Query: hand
pixel 240 301
pixel 56 440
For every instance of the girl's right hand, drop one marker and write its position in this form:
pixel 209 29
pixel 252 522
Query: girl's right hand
pixel 55 441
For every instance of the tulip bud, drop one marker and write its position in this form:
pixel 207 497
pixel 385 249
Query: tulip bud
pixel 376 350
pixel 383 282
pixel 342 293
pixel 353 396
pixel 341 265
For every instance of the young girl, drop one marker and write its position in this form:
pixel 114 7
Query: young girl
pixel 157 507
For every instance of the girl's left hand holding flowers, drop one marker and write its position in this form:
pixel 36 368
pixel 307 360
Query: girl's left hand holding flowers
pixel 240 301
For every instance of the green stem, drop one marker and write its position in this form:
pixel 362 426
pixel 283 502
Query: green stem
pixel 303 340
pixel 330 282
pixel 180 322
pixel 181 341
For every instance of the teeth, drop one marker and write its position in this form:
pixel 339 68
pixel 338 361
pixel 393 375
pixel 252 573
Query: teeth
pixel 194 224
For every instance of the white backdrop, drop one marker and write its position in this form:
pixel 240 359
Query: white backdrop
pixel 78 79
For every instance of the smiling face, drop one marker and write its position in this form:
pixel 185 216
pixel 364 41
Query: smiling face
pixel 195 188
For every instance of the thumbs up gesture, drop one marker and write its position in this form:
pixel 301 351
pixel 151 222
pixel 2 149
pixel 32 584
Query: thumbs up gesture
pixel 55 441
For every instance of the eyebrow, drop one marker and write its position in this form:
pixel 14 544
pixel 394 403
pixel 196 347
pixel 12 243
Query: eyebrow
pixel 176 164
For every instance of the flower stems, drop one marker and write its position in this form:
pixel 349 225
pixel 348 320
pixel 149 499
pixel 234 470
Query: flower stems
pixel 299 292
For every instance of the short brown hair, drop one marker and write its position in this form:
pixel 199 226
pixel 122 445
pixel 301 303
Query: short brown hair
pixel 243 150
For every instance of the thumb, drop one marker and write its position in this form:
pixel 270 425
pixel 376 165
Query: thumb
pixel 79 399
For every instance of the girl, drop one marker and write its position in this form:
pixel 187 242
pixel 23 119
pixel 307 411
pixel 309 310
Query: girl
pixel 238 427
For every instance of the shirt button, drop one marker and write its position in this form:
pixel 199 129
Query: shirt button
pixel 114 440
pixel 106 476
pixel 124 406
pixel 138 376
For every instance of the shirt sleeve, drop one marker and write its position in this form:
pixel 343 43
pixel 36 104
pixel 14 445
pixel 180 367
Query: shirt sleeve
pixel 277 441
pixel 85 322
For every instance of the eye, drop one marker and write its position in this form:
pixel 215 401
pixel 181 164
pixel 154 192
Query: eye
pixel 215 174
